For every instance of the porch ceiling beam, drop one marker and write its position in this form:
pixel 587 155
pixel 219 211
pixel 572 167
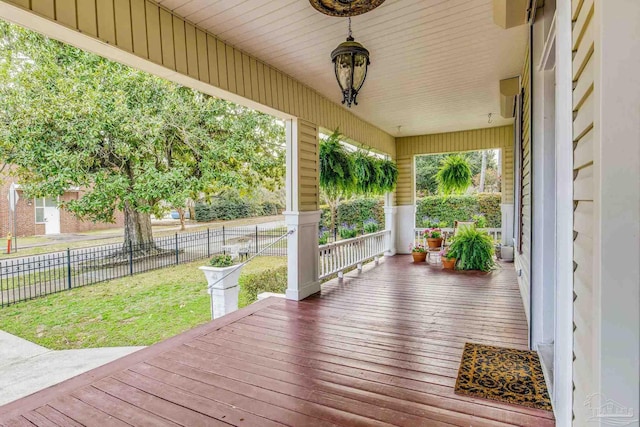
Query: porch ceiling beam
pixel 144 35
pixel 509 89
pixel 509 13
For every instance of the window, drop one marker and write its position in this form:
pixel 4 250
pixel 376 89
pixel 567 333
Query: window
pixel 40 204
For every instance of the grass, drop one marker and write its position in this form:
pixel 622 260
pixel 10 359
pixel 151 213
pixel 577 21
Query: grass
pixel 137 310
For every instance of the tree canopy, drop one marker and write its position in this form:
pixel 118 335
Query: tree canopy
pixel 74 119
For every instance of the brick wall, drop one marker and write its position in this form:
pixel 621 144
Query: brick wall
pixel 26 216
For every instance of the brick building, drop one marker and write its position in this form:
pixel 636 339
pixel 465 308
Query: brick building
pixel 42 216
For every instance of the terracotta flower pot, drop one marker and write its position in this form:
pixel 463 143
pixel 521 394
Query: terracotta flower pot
pixel 449 263
pixel 434 243
pixel 419 256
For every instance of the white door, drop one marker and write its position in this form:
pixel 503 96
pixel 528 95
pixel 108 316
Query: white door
pixel 51 217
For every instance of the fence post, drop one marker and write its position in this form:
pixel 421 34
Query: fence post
pixel 130 258
pixel 177 252
pixel 69 268
pixel 257 248
pixel 208 243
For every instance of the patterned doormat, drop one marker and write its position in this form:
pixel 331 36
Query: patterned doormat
pixel 503 374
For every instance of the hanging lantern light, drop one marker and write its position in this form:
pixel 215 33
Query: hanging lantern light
pixel 350 62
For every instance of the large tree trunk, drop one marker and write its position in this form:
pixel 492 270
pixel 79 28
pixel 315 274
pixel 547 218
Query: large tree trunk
pixel 137 230
pixel 182 214
pixel 483 171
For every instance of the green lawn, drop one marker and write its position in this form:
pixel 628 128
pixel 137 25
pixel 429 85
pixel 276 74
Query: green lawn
pixel 137 310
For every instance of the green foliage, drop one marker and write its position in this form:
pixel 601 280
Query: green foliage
pixel 323 237
pixel 222 260
pixel 356 212
pixel 388 175
pixel 432 233
pixel 336 168
pixel 454 175
pixel 417 247
pixel 481 221
pixel 473 249
pixel 346 231
pixel 370 226
pixel 130 139
pixel 271 280
pixel 442 211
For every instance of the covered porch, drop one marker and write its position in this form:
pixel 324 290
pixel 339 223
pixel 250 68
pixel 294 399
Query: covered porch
pixel 380 347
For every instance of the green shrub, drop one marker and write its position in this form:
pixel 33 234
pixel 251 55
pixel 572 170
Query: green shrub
pixel 346 231
pixel 221 260
pixel 473 249
pixel 232 206
pixel 323 237
pixel 442 211
pixel 370 226
pixel 355 212
pixel 272 280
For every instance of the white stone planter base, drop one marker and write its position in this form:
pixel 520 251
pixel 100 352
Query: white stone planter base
pixel 224 294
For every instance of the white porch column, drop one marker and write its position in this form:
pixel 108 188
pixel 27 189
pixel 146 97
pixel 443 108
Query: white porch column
pixel 507 223
pixel 406 219
pixel 302 214
pixel 390 223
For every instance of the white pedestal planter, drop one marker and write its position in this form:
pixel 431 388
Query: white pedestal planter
pixel 224 293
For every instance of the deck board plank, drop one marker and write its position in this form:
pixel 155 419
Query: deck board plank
pixel 378 348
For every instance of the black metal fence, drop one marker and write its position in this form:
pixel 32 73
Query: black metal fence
pixel 32 276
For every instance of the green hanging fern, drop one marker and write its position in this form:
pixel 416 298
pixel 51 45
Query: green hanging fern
pixel 336 168
pixel 473 249
pixel 365 173
pixel 454 175
pixel 388 175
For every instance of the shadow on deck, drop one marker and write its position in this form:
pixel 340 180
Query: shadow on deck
pixel 379 348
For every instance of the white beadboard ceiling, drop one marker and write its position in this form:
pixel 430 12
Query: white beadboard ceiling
pixel 435 64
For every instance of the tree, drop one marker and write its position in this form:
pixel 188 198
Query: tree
pixel 132 140
pixel 483 171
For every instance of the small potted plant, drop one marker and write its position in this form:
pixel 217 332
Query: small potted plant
pixel 222 275
pixel 419 252
pixel 448 260
pixel 434 237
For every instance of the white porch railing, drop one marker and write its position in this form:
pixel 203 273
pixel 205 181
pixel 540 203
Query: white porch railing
pixel 495 233
pixel 337 257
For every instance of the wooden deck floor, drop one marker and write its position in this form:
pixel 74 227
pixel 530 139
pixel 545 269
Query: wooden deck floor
pixel 379 348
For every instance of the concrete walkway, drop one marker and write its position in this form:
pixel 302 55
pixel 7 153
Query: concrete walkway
pixel 26 367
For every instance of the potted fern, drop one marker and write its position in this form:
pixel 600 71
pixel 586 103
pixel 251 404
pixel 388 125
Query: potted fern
pixel 473 250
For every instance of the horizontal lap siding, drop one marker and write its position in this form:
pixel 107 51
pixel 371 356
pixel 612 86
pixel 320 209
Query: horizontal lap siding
pixel 153 33
pixel 523 259
pixel 583 230
pixel 309 168
pixel 478 139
